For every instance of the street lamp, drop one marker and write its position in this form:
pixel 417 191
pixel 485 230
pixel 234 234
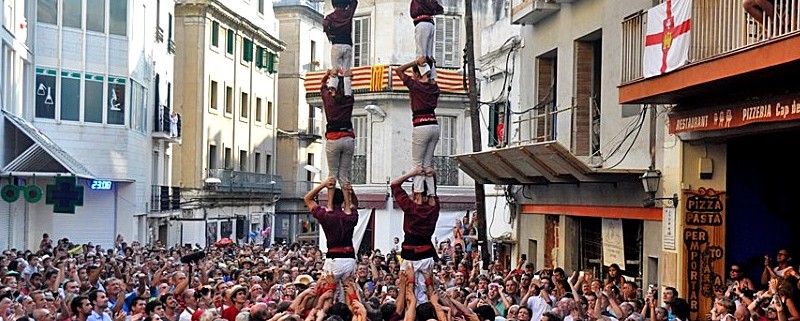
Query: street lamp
pixel 374 111
pixel 651 179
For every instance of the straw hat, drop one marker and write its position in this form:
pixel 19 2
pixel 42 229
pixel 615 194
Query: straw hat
pixel 304 279
pixel 235 289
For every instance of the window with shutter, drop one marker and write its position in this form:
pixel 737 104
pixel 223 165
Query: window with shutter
pixel 445 165
pixel 230 41
pixel 361 41
pixel 260 57
pixel 215 34
pixel 446 44
pixel 247 50
pixel 360 130
pixel 447 136
pixel 358 174
pixel 272 62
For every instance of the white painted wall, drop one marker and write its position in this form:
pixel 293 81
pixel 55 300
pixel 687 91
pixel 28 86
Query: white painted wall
pixel 560 30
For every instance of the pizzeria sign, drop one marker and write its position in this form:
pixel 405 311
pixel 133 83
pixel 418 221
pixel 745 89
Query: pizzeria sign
pixel 725 117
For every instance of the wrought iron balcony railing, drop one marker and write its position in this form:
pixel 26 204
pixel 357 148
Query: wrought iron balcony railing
pixel 164 198
pixel 381 78
pixel 163 124
pixel 314 127
pixel 237 181
pixel 358 174
pixel 446 169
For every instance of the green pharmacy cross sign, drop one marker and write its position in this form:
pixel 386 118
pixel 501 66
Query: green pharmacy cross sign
pixel 64 195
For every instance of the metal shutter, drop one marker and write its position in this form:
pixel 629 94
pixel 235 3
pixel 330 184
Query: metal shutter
pixel 93 222
pixel 5 223
pixel 12 226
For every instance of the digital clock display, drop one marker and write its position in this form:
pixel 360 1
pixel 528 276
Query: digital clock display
pixel 100 185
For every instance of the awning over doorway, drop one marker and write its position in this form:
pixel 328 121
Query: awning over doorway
pixel 540 163
pixel 34 152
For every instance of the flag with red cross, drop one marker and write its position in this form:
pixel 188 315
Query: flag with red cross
pixel 668 37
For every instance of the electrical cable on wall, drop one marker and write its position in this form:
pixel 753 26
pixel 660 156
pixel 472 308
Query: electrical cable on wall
pixel 634 126
pixel 627 130
pixel 507 75
pixel 638 130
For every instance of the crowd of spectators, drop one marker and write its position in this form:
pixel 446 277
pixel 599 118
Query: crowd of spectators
pixel 248 282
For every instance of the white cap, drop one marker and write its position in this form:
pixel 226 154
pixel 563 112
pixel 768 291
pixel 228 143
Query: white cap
pixel 424 69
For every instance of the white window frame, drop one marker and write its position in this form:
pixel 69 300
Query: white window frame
pixel 362 40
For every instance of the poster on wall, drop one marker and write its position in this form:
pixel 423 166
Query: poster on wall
pixel 704 240
pixel 46 96
pixel 211 233
pixel 226 229
pixel 613 243
pixel 116 102
pixel 668 228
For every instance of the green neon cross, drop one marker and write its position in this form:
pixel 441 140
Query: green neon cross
pixel 64 195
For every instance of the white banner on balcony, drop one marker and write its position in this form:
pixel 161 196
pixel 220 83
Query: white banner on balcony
pixel 668 37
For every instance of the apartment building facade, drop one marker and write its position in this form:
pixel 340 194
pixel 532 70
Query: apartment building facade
pixel 79 137
pixel 226 90
pixel 568 156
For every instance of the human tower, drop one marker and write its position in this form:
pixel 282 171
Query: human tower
pixel 339 216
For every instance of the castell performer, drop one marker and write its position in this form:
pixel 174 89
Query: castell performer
pixel 424 94
pixel 338 223
pixel 423 11
pixel 339 135
pixel 419 222
pixel 338 26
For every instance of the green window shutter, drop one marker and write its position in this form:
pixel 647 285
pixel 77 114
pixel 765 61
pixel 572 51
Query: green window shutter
pixel 260 57
pixel 272 63
pixel 492 125
pixel 231 41
pixel 215 34
pixel 247 53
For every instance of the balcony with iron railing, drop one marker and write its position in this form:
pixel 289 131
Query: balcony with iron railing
pixel 237 181
pixel 163 127
pixel 445 166
pixel 382 79
pixel 313 129
pixel 165 198
pixel 358 174
pixel 720 29
pixel 446 169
